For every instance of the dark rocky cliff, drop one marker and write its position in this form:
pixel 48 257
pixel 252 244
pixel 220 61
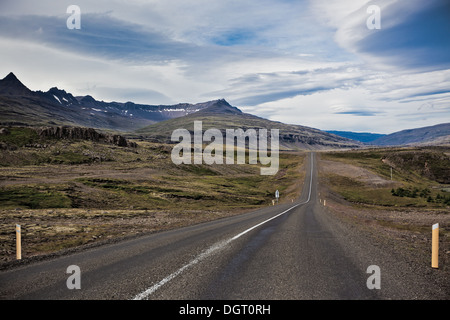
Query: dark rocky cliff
pixel 65 132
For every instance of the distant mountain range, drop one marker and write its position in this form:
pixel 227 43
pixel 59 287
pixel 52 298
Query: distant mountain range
pixel 56 107
pixel 19 105
pixel 364 137
pixel 432 135
pixel 222 115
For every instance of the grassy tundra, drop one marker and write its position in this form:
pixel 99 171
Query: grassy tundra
pixel 358 188
pixel 67 193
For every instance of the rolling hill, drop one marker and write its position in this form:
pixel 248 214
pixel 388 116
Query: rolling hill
pixel 221 115
pixel 432 135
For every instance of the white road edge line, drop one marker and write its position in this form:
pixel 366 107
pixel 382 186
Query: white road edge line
pixel 216 247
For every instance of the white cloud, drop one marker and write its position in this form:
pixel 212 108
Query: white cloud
pixel 304 62
pixel 354 109
pixel 82 75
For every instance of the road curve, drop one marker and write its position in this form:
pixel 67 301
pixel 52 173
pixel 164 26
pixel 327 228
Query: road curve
pixel 289 251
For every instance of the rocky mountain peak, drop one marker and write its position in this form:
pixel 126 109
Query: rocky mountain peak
pixel 10 85
pixel 220 106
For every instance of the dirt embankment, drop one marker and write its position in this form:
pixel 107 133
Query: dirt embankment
pixel 355 172
pixel 406 228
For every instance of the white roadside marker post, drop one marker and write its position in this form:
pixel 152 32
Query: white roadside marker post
pixel 435 246
pixel 18 243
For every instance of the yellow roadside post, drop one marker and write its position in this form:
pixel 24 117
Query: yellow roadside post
pixel 18 243
pixel 435 246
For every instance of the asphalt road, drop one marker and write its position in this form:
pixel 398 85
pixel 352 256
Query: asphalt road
pixel 288 251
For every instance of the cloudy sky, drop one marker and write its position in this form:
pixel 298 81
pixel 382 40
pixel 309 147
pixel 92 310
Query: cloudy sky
pixel 314 63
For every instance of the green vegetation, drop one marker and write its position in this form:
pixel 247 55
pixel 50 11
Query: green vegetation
pixel 19 137
pixel 37 197
pixel 432 163
pixel 411 193
pixel 168 186
pixel 203 186
pixel 418 175
pixel 25 148
pixel 67 193
pixel 356 192
pixel 409 164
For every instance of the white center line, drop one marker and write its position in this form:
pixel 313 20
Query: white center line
pixel 216 247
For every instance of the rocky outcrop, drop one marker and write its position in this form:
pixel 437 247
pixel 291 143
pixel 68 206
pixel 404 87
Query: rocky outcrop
pixel 320 139
pixel 80 133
